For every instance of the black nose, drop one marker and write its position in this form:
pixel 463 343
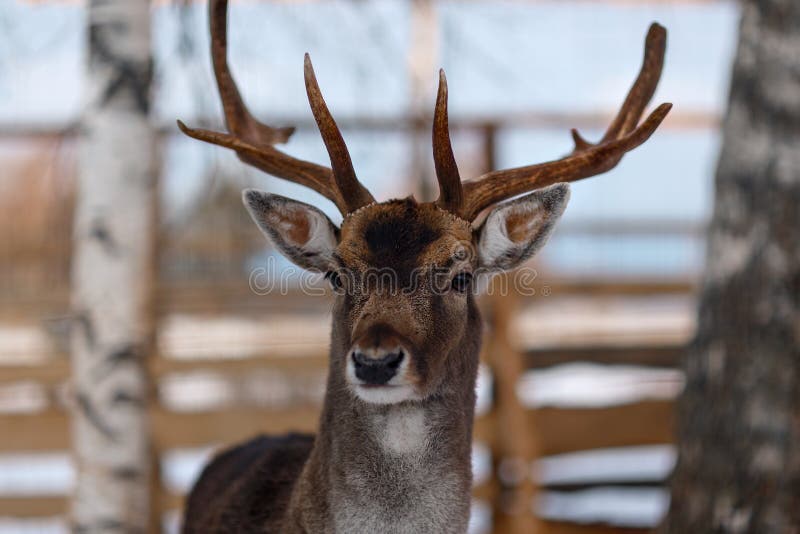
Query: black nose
pixel 377 371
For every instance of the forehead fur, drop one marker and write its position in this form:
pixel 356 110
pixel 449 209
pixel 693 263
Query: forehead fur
pixel 401 233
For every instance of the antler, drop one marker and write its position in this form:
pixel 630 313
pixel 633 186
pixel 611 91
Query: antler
pixel 586 159
pixel 450 192
pixel 253 140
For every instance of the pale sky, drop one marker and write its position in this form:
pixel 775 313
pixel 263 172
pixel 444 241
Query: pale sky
pixel 500 57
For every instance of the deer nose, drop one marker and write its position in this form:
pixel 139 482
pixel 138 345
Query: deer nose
pixel 377 371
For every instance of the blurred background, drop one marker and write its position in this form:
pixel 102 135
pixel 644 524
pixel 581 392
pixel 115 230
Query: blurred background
pixel 587 368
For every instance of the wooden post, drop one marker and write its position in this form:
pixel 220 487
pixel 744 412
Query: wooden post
pixel 112 275
pixel 515 443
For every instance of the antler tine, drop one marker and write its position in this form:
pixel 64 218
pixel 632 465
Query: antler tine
pixel 645 85
pixel 587 159
pixel 237 117
pixel 354 194
pixel 451 195
pixel 274 162
pixel 252 140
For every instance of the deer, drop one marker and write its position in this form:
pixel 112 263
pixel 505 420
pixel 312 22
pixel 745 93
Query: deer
pixel 392 453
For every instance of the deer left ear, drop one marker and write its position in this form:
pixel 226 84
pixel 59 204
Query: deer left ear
pixel 515 231
pixel 304 234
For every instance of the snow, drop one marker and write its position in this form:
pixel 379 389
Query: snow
pixel 624 507
pixel 584 384
pixel 35 474
pixel 646 463
pixel 23 344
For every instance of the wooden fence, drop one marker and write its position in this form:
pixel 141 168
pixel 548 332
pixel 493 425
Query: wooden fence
pixel 537 432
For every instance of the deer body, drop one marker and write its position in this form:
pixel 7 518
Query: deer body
pixel 393 467
pixel 393 450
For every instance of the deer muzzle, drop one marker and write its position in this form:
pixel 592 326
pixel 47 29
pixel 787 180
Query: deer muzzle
pixel 378 366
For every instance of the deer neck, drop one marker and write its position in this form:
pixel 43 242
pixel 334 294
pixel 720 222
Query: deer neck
pixel 393 468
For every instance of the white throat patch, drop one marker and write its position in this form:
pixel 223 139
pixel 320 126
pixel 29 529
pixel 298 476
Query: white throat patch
pixel 402 430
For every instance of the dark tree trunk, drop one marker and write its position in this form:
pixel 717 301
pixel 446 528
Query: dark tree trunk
pixel 739 429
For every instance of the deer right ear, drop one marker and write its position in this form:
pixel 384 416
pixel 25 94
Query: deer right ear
pixel 516 230
pixel 303 233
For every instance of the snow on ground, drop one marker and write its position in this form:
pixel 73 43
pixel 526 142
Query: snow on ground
pixel 624 507
pixel 570 321
pixel 214 337
pixel 583 384
pixel 23 344
pixel 646 463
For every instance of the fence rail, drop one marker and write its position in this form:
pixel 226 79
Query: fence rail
pixel 553 430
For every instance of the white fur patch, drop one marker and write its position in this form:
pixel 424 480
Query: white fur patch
pixel 385 394
pixel 494 240
pixel 538 211
pixel 402 430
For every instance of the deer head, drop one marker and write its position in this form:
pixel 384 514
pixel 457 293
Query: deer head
pixel 403 269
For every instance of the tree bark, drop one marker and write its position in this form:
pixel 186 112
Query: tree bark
pixel 112 275
pixel 739 416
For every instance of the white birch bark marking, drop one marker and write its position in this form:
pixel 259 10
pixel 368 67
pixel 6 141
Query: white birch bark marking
pixel 112 274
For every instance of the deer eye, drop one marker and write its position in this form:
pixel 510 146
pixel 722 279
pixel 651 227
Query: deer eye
pixel 462 281
pixel 335 280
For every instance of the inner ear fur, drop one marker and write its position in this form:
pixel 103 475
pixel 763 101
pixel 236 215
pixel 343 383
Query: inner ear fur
pixel 303 233
pixel 515 231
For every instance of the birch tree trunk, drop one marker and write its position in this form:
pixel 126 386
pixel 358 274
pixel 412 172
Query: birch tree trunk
pixel 739 417
pixel 113 266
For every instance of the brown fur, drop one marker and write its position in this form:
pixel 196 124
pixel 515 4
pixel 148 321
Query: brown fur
pixel 284 485
pixel 262 470
pixel 300 231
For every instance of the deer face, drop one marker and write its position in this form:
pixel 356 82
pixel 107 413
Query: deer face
pixel 403 276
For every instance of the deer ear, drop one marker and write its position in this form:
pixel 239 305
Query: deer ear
pixel 516 230
pixel 303 233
